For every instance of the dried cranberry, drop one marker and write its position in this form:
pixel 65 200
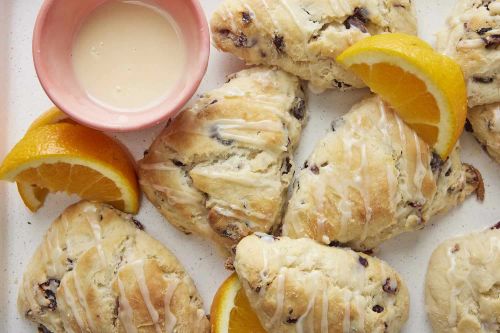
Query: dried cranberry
pixel 246 18
pixel 298 109
pixel 496 226
pixel 358 19
pixel 483 79
pixel 279 44
pixel 314 169
pixel 389 288
pixel 363 261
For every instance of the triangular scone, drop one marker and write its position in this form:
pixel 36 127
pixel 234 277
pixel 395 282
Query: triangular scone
pixel 97 272
pixel 299 285
pixel 472 38
pixel 221 169
pixel 371 179
pixel 462 288
pixel 304 37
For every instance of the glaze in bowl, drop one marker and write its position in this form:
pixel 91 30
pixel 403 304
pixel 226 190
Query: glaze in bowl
pixel 56 26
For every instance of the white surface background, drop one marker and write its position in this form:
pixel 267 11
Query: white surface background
pixel 22 99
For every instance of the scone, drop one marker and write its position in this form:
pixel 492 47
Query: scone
pixel 371 179
pixel 463 284
pixel 304 37
pixel 485 121
pixel 471 38
pixel 298 285
pixel 222 168
pixel 96 271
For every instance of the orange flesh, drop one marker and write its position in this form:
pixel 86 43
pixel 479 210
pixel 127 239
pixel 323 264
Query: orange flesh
pixel 73 179
pixel 243 318
pixel 402 93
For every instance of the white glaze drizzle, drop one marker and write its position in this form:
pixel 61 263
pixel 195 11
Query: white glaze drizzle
pixel 470 44
pixel 321 220
pixel 392 183
pixel 237 179
pixel 229 17
pixel 96 231
pixel 280 297
pixel 364 190
pixel 275 23
pixel 83 302
pixel 264 271
pixel 346 322
pixel 402 136
pixel 310 306
pixel 175 196
pixel 170 319
pixel 241 124
pixel 299 25
pixel 383 124
pixel 420 169
pixel 125 312
pixel 49 259
pixel 143 287
pixel 324 310
pixel 70 300
pixel 239 209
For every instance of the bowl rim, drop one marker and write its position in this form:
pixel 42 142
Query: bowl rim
pixel 148 117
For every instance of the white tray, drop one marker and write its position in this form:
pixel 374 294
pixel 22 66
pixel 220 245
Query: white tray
pixel 22 99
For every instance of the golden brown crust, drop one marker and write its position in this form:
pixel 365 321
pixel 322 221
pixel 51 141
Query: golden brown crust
pixel 222 168
pixel 298 285
pixel 372 179
pixel 96 272
pixel 304 37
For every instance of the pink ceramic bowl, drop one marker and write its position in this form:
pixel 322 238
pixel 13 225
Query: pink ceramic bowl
pixel 57 24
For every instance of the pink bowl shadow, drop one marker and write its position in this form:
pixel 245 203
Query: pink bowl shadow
pixel 56 26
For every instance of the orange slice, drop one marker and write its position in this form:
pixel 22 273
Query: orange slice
pixel 74 159
pixel 231 312
pixel 32 195
pixel 425 88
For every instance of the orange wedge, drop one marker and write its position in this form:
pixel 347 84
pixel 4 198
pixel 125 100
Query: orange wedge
pixel 231 312
pixel 425 88
pixel 32 195
pixel 74 159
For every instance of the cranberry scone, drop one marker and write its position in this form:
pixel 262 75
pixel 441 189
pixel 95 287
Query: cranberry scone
pixel 97 271
pixel 222 168
pixel 304 37
pixel 371 179
pixel 472 38
pixel 463 284
pixel 298 285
